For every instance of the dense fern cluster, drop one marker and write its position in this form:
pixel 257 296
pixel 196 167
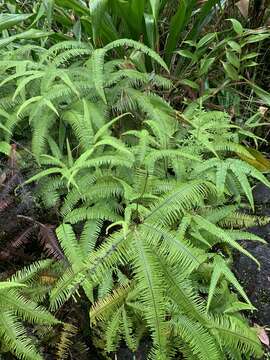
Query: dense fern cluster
pixel 155 195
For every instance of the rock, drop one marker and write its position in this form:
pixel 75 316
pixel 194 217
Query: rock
pixel 261 194
pixel 142 353
pixel 256 282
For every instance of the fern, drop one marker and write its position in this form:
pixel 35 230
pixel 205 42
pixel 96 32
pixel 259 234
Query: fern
pixel 144 198
pixel 16 308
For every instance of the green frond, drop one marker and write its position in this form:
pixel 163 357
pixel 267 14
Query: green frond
pixel 89 236
pixel 138 46
pixel 127 330
pixel 183 198
pixel 103 308
pixel 235 335
pixel 183 295
pixel 65 288
pixel 221 269
pixel 30 273
pixel 70 245
pixel 62 47
pixel 167 243
pixel 221 234
pixel 152 293
pixel 15 337
pixel 97 212
pixel 197 338
pixel 113 330
pixel 26 309
pixel 242 220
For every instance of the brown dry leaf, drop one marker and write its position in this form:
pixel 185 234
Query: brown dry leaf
pixel 243 6
pixel 262 335
pixel 259 161
pixel 262 110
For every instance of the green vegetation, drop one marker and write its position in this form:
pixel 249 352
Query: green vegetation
pixel 121 136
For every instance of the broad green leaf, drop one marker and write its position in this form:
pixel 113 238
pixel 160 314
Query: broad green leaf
pixel 5 147
pixel 137 12
pixel 249 56
pixel 188 54
pixel 204 16
pixel 237 26
pixel 205 65
pixel 256 38
pixel 204 40
pixel 9 20
pixel 177 25
pixel 230 71
pixel 97 10
pixel 233 59
pixel 250 64
pixel 132 12
pixel 150 29
pixel 259 161
pixel 264 95
pixel 155 6
pixel 234 45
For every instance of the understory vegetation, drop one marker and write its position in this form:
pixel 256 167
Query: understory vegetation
pixel 131 136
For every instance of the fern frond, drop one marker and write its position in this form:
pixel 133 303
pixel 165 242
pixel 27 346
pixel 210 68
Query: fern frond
pixel 16 338
pixel 148 276
pixel 27 309
pixel 103 308
pixel 65 341
pixel 197 337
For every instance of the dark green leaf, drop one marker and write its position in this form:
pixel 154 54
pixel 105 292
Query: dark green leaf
pixel 205 65
pixel 177 25
pixel 256 38
pixel 230 71
pixel 233 59
pixel 264 95
pixel 97 9
pixel 203 16
pixel 188 54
